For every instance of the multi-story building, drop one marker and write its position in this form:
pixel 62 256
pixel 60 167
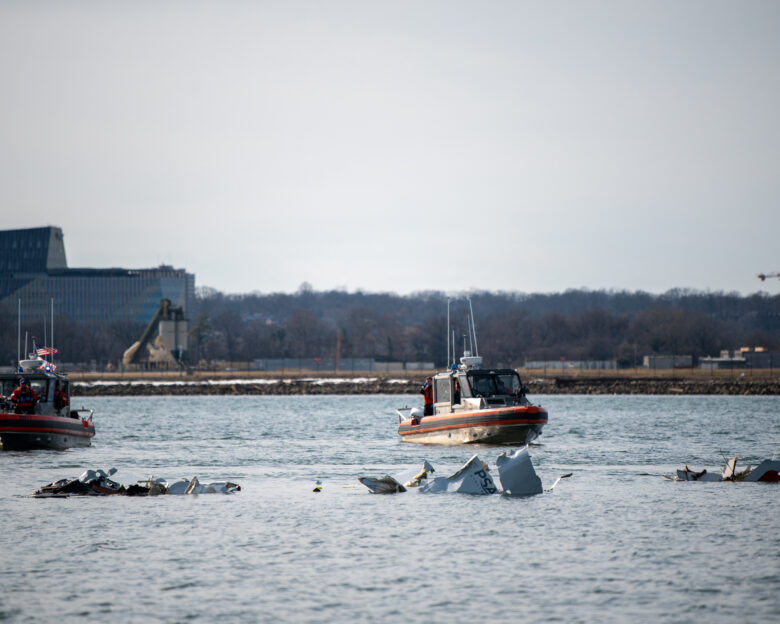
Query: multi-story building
pixel 34 270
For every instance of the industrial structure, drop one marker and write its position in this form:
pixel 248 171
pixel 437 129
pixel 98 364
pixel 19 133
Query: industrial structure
pixel 34 270
pixel 162 343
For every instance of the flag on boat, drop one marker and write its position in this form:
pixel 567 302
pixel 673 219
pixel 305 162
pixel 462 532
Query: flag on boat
pixel 48 367
pixel 47 351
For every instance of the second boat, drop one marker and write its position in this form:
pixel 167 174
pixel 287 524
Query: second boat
pixel 472 405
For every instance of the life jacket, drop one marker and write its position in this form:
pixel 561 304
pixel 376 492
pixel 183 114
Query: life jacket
pixel 24 396
pixel 427 392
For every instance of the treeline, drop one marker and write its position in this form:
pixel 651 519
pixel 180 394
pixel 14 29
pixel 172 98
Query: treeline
pixel 511 327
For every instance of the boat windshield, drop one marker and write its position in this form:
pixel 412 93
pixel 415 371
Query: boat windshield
pixel 484 383
pixel 7 386
pixel 41 387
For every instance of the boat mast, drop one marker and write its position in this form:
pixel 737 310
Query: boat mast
pixel 453 349
pixel 19 334
pixel 51 357
pixel 448 332
pixel 471 343
pixel 473 328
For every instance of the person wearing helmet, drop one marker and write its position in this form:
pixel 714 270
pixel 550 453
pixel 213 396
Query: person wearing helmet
pixel 24 398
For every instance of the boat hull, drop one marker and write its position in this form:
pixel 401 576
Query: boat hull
pixel 21 432
pixel 514 425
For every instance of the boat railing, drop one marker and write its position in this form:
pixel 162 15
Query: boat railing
pixel 404 413
pixel 78 414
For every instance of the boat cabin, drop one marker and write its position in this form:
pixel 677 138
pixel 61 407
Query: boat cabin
pixel 470 389
pixel 45 386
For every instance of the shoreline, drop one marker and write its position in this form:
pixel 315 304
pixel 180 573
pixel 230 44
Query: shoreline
pixel 384 383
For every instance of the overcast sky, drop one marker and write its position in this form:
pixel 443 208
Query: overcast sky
pixel 400 146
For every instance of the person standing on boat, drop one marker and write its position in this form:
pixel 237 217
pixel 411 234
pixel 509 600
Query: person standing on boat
pixel 427 392
pixel 60 398
pixel 24 398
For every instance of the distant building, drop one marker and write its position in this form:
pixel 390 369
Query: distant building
pixel 34 269
pixel 664 362
pixel 563 364
pixel 746 357
pixel 724 361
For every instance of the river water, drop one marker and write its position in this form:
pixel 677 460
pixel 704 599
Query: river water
pixel 614 543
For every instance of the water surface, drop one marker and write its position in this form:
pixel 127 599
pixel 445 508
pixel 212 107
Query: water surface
pixel 614 543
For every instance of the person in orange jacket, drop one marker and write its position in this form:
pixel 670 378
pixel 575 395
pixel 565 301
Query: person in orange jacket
pixel 427 392
pixel 24 398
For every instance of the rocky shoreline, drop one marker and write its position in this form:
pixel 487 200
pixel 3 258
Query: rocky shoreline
pixel 378 385
pixel 658 386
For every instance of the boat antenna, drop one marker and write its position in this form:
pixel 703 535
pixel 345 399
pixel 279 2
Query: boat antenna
pixel 473 328
pixel 45 340
pixel 19 334
pixel 471 344
pixel 448 332
pixel 453 347
pixel 51 357
pixel 468 325
pixel 25 344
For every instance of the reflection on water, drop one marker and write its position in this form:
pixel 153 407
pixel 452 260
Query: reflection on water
pixel 616 542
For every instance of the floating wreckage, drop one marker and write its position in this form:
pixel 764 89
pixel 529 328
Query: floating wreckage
pixel 516 477
pixel 98 483
pixel 400 482
pixel 768 471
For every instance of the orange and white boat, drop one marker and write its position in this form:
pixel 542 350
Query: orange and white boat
pixel 474 405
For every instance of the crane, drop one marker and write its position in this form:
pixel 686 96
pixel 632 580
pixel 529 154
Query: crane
pixel 763 276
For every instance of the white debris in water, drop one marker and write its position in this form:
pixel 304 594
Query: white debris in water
pixel 517 473
pixel 517 477
pixel 472 478
pixel 159 486
pixel 96 482
pixel 767 471
pixel 382 485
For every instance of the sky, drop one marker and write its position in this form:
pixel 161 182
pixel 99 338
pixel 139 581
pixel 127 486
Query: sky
pixel 400 146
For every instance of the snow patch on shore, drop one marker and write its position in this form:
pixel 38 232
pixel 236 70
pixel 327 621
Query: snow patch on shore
pixel 318 381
